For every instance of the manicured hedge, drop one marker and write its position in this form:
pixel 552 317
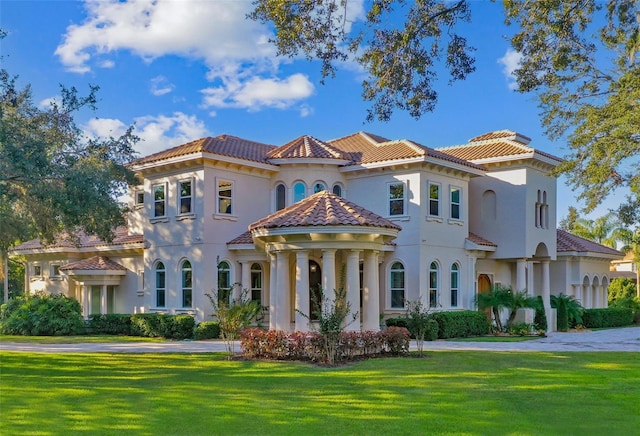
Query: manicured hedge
pixel 610 317
pixel 41 315
pixel 461 324
pixel 161 325
pixel 110 324
pixel 396 322
pixel 207 330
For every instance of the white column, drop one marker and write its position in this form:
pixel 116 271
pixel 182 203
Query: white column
pixel 546 293
pixel 84 296
pixel 588 292
pixel 302 291
pixel 283 309
pixel 598 299
pixel 103 299
pixel 353 289
pixel 605 296
pixel 530 276
pixel 469 300
pixel 521 275
pixel 371 292
pixel 245 281
pixel 273 292
pixel 329 274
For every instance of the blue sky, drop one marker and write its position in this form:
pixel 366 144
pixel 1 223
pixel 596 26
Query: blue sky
pixel 181 70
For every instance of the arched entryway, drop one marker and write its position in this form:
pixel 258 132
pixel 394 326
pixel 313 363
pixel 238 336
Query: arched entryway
pixel 315 286
pixel 484 286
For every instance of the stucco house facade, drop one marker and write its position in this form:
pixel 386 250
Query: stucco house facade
pixel 389 221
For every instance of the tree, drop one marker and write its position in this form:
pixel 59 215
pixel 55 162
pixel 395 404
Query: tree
pixel 52 178
pixel 581 59
pixel 420 324
pixel 569 311
pixel 518 300
pixel 568 223
pixel 496 299
pixel 605 230
pixel 621 288
pixel 233 315
pixel 400 59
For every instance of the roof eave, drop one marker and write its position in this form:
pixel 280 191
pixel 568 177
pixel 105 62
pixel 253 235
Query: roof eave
pixel 309 160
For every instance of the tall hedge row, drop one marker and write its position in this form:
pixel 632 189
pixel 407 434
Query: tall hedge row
pixel 454 324
pixel 609 317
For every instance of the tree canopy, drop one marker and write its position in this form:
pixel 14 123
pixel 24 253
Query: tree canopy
pixel 53 178
pixel 579 57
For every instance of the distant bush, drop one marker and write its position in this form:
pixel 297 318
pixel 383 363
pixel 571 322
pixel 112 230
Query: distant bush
pixel 461 324
pixel 207 330
pixel 396 322
pixel 160 325
pixel 609 317
pixel 41 315
pixel 110 324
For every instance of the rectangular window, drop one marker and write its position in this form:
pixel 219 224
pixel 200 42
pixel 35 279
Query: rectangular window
pixel 160 288
pixel 159 200
pixel 434 199
pixel 455 203
pixel 37 270
pixel 55 271
pixel 185 197
pixel 225 197
pixel 397 286
pixel 256 286
pixel 397 196
pixel 187 288
pixel 138 197
pixel 454 287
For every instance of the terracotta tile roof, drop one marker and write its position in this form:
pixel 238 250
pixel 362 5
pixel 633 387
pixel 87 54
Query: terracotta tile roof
pixel 502 134
pixel 479 240
pixel 307 147
pixel 95 263
pixel 569 242
pixel 502 143
pixel 365 148
pixel 244 238
pixel 323 209
pixel 224 145
pixel 82 240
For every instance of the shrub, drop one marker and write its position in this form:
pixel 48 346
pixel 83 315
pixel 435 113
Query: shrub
pixel 160 325
pixel 396 322
pixel 540 318
pixel 110 324
pixel 396 340
pixel 146 324
pixel 621 288
pixel 41 315
pixel 610 317
pixel 461 324
pixel 207 330
pixel 520 329
pixel 181 327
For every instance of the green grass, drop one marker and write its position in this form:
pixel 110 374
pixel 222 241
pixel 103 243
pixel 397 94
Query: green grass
pixel 76 339
pixel 448 392
pixel 495 339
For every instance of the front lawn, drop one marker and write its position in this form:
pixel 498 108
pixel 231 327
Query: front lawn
pixel 448 392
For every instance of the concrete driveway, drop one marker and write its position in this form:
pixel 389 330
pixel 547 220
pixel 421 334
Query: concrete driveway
pixel 622 339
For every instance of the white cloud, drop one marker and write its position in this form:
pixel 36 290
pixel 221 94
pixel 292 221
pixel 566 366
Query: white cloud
pixel 510 61
pixel 257 93
pixel 47 102
pixel 156 132
pixel 161 86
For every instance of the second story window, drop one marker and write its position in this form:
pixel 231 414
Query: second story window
pixel 160 285
pixel 225 197
pixel 337 189
pixel 434 199
pixel 159 200
pixel 138 197
pixel 299 192
pixel 455 203
pixel 318 187
pixel 185 189
pixel 397 198
pixel 281 196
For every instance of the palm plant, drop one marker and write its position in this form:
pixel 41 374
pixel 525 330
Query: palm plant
pixel 569 311
pixel 496 299
pixel 519 300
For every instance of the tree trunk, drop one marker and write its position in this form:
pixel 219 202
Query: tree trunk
pixel 5 274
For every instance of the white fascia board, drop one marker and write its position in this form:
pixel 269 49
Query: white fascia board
pixel 382 164
pixel 243 162
pixel 361 230
pixel 100 248
pixel 93 272
pixel 308 160
pixel 469 245
pixel 588 255
pixel 169 161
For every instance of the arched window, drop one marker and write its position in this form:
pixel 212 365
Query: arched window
pixel 187 284
pixel 256 283
pixel 160 284
pixel 299 191
pixel 224 282
pixel 489 211
pixel 433 284
pixel 397 285
pixel 281 196
pixel 318 187
pixel 337 189
pixel 455 271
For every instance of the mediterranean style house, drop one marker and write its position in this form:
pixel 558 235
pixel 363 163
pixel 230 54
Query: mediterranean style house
pixel 389 221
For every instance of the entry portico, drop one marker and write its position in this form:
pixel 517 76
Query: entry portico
pixel 323 230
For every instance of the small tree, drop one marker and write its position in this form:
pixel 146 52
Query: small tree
pixel 333 316
pixel 540 318
pixel 233 315
pixel 569 311
pixel 496 299
pixel 419 323
pixel 518 300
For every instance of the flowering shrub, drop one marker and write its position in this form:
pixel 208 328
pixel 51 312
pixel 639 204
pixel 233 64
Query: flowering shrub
pixel 256 343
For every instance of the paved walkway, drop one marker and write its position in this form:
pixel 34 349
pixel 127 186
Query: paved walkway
pixel 623 339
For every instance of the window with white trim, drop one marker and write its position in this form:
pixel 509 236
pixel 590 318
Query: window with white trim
pixel 55 271
pixel 159 200
pixel 337 189
pixel 256 283
pixel 455 211
pixel 434 199
pixel 225 197
pixel 396 285
pixel 224 282
pixel 455 275
pixel 161 275
pixel 397 198
pixel 138 197
pixel 281 196
pixel 37 271
pixel 433 284
pixel 185 197
pixel 187 284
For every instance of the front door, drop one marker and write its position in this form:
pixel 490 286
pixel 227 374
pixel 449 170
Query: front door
pixel 484 286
